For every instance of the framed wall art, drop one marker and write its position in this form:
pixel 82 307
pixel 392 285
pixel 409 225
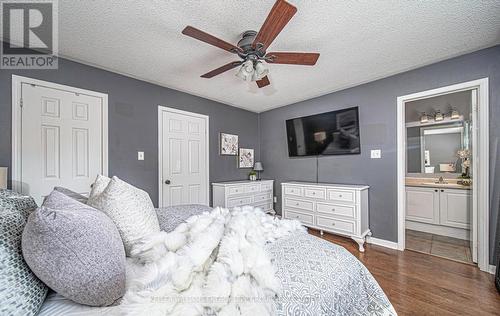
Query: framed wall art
pixel 246 158
pixel 228 144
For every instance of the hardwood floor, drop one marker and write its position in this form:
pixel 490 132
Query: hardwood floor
pixel 420 284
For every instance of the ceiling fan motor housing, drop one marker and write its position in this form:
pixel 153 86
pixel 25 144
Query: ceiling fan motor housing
pixel 248 51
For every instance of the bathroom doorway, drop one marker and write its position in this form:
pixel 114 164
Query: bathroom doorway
pixel 443 173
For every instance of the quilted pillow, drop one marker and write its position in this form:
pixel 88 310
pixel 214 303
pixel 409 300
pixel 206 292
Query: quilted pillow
pixel 21 292
pixel 101 182
pixel 72 194
pixel 131 210
pixel 76 250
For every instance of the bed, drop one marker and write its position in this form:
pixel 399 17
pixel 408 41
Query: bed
pixel 316 276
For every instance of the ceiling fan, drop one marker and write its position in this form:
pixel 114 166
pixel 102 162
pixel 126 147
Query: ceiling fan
pixel 252 48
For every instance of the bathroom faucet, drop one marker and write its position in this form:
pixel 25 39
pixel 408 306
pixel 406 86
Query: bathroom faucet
pixel 441 180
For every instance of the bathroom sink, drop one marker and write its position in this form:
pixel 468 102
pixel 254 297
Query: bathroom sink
pixel 448 185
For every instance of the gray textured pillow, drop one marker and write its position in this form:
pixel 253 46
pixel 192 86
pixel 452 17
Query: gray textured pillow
pixel 171 216
pixel 131 210
pixel 21 292
pixel 76 250
pixel 101 182
pixel 72 194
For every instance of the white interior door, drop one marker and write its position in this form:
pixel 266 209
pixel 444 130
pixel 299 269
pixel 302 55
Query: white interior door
pixel 183 158
pixel 62 140
pixel 475 173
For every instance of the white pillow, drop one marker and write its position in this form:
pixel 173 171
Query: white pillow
pixel 131 210
pixel 99 185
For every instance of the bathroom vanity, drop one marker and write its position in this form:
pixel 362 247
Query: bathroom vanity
pixel 438 208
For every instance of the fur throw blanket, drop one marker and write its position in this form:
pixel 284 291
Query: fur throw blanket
pixel 214 264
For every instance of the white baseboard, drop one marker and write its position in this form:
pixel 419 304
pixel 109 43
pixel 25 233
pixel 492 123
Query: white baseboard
pixel 492 269
pixel 382 242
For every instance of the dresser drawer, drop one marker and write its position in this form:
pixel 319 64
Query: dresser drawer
pixel 305 205
pixel 235 190
pixel 266 187
pixel 252 188
pixel 339 195
pixel 342 226
pixel 303 218
pixel 335 209
pixel 239 201
pixel 264 206
pixel 261 197
pixel 293 191
pixel 315 193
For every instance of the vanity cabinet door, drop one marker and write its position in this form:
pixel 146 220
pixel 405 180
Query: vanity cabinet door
pixel 455 208
pixel 422 205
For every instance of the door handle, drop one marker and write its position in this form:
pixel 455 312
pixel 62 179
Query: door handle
pixel 167 181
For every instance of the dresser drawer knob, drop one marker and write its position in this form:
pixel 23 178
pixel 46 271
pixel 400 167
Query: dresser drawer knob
pixel 333 209
pixel 333 224
pixel 340 195
pixel 297 204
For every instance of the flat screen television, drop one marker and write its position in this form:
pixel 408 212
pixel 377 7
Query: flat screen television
pixel 330 133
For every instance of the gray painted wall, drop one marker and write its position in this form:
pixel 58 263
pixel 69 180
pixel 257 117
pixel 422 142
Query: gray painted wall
pixel 377 103
pixel 133 122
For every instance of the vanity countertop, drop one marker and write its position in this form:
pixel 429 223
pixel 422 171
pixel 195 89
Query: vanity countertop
pixel 430 183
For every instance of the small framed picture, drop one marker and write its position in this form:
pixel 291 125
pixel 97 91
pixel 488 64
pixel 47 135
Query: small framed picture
pixel 246 158
pixel 228 144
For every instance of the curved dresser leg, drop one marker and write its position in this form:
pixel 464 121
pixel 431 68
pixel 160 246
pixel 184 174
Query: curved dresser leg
pixel 360 242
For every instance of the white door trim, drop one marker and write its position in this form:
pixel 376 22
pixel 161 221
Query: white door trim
pixel 162 109
pixel 17 82
pixel 482 189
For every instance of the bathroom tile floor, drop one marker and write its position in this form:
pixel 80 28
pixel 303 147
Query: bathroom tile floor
pixel 441 246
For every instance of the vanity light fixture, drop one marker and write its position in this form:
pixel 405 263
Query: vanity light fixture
pixel 424 118
pixel 438 116
pixel 454 114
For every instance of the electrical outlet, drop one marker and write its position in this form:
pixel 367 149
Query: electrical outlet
pixel 140 155
pixel 376 154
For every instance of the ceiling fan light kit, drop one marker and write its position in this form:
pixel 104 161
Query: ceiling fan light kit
pixel 252 47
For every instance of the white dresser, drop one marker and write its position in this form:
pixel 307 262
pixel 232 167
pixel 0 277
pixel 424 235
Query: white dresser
pixel 246 192
pixel 335 208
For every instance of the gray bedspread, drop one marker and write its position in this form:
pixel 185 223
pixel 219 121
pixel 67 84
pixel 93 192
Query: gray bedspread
pixel 317 277
pixel 321 278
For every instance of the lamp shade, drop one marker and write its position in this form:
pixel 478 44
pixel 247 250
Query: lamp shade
pixel 258 166
pixel 3 177
pixel 246 71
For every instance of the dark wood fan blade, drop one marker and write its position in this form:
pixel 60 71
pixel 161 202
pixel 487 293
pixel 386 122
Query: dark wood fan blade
pixel 308 59
pixel 263 82
pixel 210 39
pixel 222 69
pixel 279 16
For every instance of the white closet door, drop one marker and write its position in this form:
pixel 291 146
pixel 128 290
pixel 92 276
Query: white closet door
pixel 61 140
pixel 184 163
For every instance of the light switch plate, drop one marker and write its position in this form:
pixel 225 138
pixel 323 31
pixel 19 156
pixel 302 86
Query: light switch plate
pixel 376 154
pixel 140 155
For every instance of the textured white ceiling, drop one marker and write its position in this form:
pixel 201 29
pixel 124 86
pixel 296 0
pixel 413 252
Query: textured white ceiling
pixel 359 41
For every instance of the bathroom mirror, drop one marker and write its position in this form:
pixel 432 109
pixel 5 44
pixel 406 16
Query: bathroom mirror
pixel 432 149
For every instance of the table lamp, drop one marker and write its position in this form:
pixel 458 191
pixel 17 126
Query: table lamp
pixel 258 167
